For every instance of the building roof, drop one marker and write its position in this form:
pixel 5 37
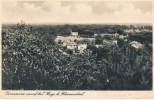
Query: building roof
pixel 136 44
pixel 62 38
pixel 74 33
pixel 71 44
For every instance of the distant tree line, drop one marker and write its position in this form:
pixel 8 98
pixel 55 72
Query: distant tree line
pixel 142 37
pixel 84 30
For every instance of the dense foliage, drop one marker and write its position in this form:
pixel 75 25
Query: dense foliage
pixel 31 60
pixel 142 37
pixel 84 30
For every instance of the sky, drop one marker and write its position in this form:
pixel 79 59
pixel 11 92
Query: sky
pixel 77 12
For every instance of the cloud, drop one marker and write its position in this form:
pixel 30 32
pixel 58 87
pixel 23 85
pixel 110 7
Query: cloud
pixel 77 12
pixel 144 6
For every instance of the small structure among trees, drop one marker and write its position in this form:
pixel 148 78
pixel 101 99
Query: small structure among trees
pixel 74 34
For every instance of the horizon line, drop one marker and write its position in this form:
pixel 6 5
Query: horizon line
pixel 76 23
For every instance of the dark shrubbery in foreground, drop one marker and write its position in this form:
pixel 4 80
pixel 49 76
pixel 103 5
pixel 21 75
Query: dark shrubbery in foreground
pixel 32 62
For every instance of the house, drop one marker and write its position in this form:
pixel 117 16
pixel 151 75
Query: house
pixel 112 35
pixel 74 34
pixel 136 44
pixel 107 34
pixel 110 42
pixel 75 46
pixel 128 30
pixel 147 30
pixel 64 44
pixel 82 47
pixel 72 45
pixel 71 39
pixel 123 37
pixel 136 30
pixel 115 42
pixel 99 46
pixel 95 35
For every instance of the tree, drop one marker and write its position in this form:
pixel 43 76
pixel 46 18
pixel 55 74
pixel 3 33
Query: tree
pixel 99 39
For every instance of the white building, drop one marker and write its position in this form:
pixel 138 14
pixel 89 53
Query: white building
pixel 110 42
pixel 98 46
pixel 128 30
pixel 123 37
pixel 74 34
pixel 113 35
pixel 82 47
pixel 115 41
pixel 107 34
pixel 71 39
pixel 136 44
pixel 72 45
pixel 95 35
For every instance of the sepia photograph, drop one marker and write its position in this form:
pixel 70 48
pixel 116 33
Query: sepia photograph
pixel 77 45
